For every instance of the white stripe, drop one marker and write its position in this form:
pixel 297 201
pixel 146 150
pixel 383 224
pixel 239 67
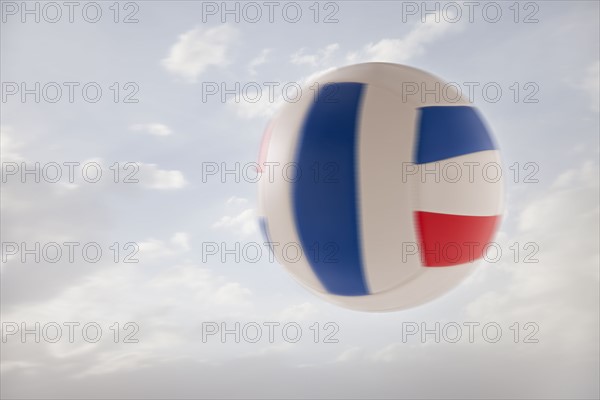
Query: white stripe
pixel 386 143
pixel 464 185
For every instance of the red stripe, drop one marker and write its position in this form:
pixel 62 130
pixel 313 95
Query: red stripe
pixel 264 146
pixel 447 239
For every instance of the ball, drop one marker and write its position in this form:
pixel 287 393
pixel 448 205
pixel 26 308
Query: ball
pixel 381 187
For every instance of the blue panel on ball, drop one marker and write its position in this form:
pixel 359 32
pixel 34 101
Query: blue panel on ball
pixel 450 131
pixel 325 195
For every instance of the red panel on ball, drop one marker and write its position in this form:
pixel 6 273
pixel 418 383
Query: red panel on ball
pixel 448 239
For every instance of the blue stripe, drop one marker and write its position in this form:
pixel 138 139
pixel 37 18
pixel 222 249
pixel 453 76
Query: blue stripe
pixel 325 204
pixel 450 131
pixel 264 228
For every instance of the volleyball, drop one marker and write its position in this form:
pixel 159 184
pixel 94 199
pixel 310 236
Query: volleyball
pixel 387 187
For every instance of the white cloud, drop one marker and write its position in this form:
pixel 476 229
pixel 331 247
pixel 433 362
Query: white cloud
pixel 591 85
pixel 270 350
pixel 234 200
pixel 401 50
pixel 299 312
pixel 397 50
pixel 198 49
pixel 155 129
pixel 16 365
pixel 232 293
pixel 181 239
pixel 243 223
pixel 258 61
pixel 116 361
pixel 263 107
pixel 152 177
pixel 389 353
pixel 351 354
pixel 8 146
pixel 166 306
pixel 214 293
pixel 321 57
pixel 154 248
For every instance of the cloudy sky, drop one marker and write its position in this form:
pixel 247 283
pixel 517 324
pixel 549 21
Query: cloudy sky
pixel 153 118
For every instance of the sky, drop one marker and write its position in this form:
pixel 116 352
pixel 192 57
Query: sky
pixel 147 122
